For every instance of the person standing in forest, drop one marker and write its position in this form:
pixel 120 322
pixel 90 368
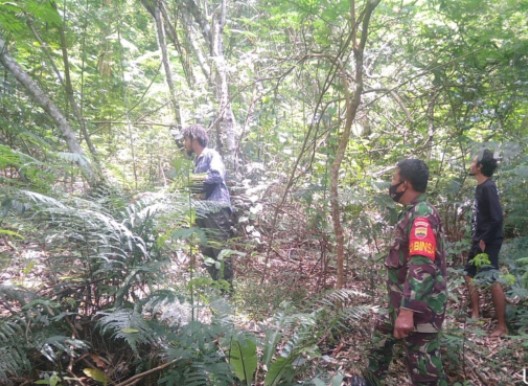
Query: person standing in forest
pixel 208 181
pixel 416 285
pixel 486 237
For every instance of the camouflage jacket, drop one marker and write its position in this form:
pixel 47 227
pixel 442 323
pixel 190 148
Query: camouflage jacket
pixel 417 267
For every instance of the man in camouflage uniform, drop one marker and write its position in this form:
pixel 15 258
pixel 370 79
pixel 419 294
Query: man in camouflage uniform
pixel 416 284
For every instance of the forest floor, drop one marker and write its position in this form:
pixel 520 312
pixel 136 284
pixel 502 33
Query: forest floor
pixel 469 355
pixel 300 275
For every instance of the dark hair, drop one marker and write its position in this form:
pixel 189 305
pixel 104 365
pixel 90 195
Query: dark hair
pixel 487 161
pixel 416 172
pixel 196 132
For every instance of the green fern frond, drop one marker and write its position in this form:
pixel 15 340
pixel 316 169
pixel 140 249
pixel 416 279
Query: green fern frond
pixel 340 298
pixel 8 157
pixel 127 325
pixel 243 357
pixel 16 294
pixel 12 350
pixel 8 330
pixel 40 200
pixel 14 362
pixel 153 302
pixel 196 375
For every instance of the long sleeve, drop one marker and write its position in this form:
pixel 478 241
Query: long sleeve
pixel 419 283
pixel 419 292
pixel 213 185
pixel 493 224
pixel 216 171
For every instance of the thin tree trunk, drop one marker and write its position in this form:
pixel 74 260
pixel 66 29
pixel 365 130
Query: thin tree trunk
pixel 47 104
pixel 182 50
pixel 154 10
pixel 66 82
pixel 71 98
pixel 225 122
pixel 353 100
pixel 206 70
pixel 212 32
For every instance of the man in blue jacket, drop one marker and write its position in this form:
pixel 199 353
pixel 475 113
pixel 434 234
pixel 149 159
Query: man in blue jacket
pixel 487 235
pixel 209 183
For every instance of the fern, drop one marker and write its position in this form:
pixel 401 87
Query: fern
pixel 127 325
pixel 339 309
pixel 14 359
pixel 107 255
pixel 200 362
pixel 35 325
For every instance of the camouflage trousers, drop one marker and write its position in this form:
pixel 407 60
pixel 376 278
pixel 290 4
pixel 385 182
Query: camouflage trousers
pixel 422 355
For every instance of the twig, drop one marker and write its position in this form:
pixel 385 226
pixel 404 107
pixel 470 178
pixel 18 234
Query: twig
pixel 136 378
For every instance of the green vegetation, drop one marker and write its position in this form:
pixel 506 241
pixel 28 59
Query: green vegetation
pixel 311 103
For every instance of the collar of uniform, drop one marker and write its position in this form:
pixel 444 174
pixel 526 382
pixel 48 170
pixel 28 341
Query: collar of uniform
pixel 421 198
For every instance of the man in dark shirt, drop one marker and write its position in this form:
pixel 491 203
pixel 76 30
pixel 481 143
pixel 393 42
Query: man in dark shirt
pixel 209 183
pixel 487 235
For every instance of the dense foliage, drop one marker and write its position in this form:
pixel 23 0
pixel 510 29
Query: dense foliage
pixel 102 280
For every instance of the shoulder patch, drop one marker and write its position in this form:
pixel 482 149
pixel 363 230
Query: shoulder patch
pixel 422 240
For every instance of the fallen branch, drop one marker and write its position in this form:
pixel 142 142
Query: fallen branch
pixel 136 378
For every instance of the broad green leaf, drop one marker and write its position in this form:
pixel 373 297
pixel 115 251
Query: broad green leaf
pixel 280 369
pixel 243 358
pixel 272 338
pixel 97 375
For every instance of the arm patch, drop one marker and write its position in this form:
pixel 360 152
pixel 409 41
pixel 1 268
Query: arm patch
pixel 422 241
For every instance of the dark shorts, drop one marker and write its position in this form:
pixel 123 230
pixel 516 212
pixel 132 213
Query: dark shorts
pixel 493 253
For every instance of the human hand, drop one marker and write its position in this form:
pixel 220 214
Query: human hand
pixel 404 324
pixel 482 245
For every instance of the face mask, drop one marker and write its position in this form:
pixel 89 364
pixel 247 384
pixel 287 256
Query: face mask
pixel 394 194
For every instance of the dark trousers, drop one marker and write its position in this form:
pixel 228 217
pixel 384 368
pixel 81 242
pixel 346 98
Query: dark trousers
pixel 217 227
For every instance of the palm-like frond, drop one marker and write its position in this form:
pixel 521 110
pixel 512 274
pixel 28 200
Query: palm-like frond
pixel 109 256
pixel 90 243
pixel 14 359
pixel 340 308
pixel 200 362
pixel 128 325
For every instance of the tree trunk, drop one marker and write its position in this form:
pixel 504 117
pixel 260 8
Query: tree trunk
pixel 212 32
pixel 154 10
pixel 66 82
pixel 225 121
pixel 47 104
pixel 71 98
pixel 353 100
pixel 183 52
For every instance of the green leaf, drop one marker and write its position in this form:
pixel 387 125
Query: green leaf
pixel 281 368
pixel 130 330
pixel 10 233
pixel 243 358
pixel 97 375
pixel 272 338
